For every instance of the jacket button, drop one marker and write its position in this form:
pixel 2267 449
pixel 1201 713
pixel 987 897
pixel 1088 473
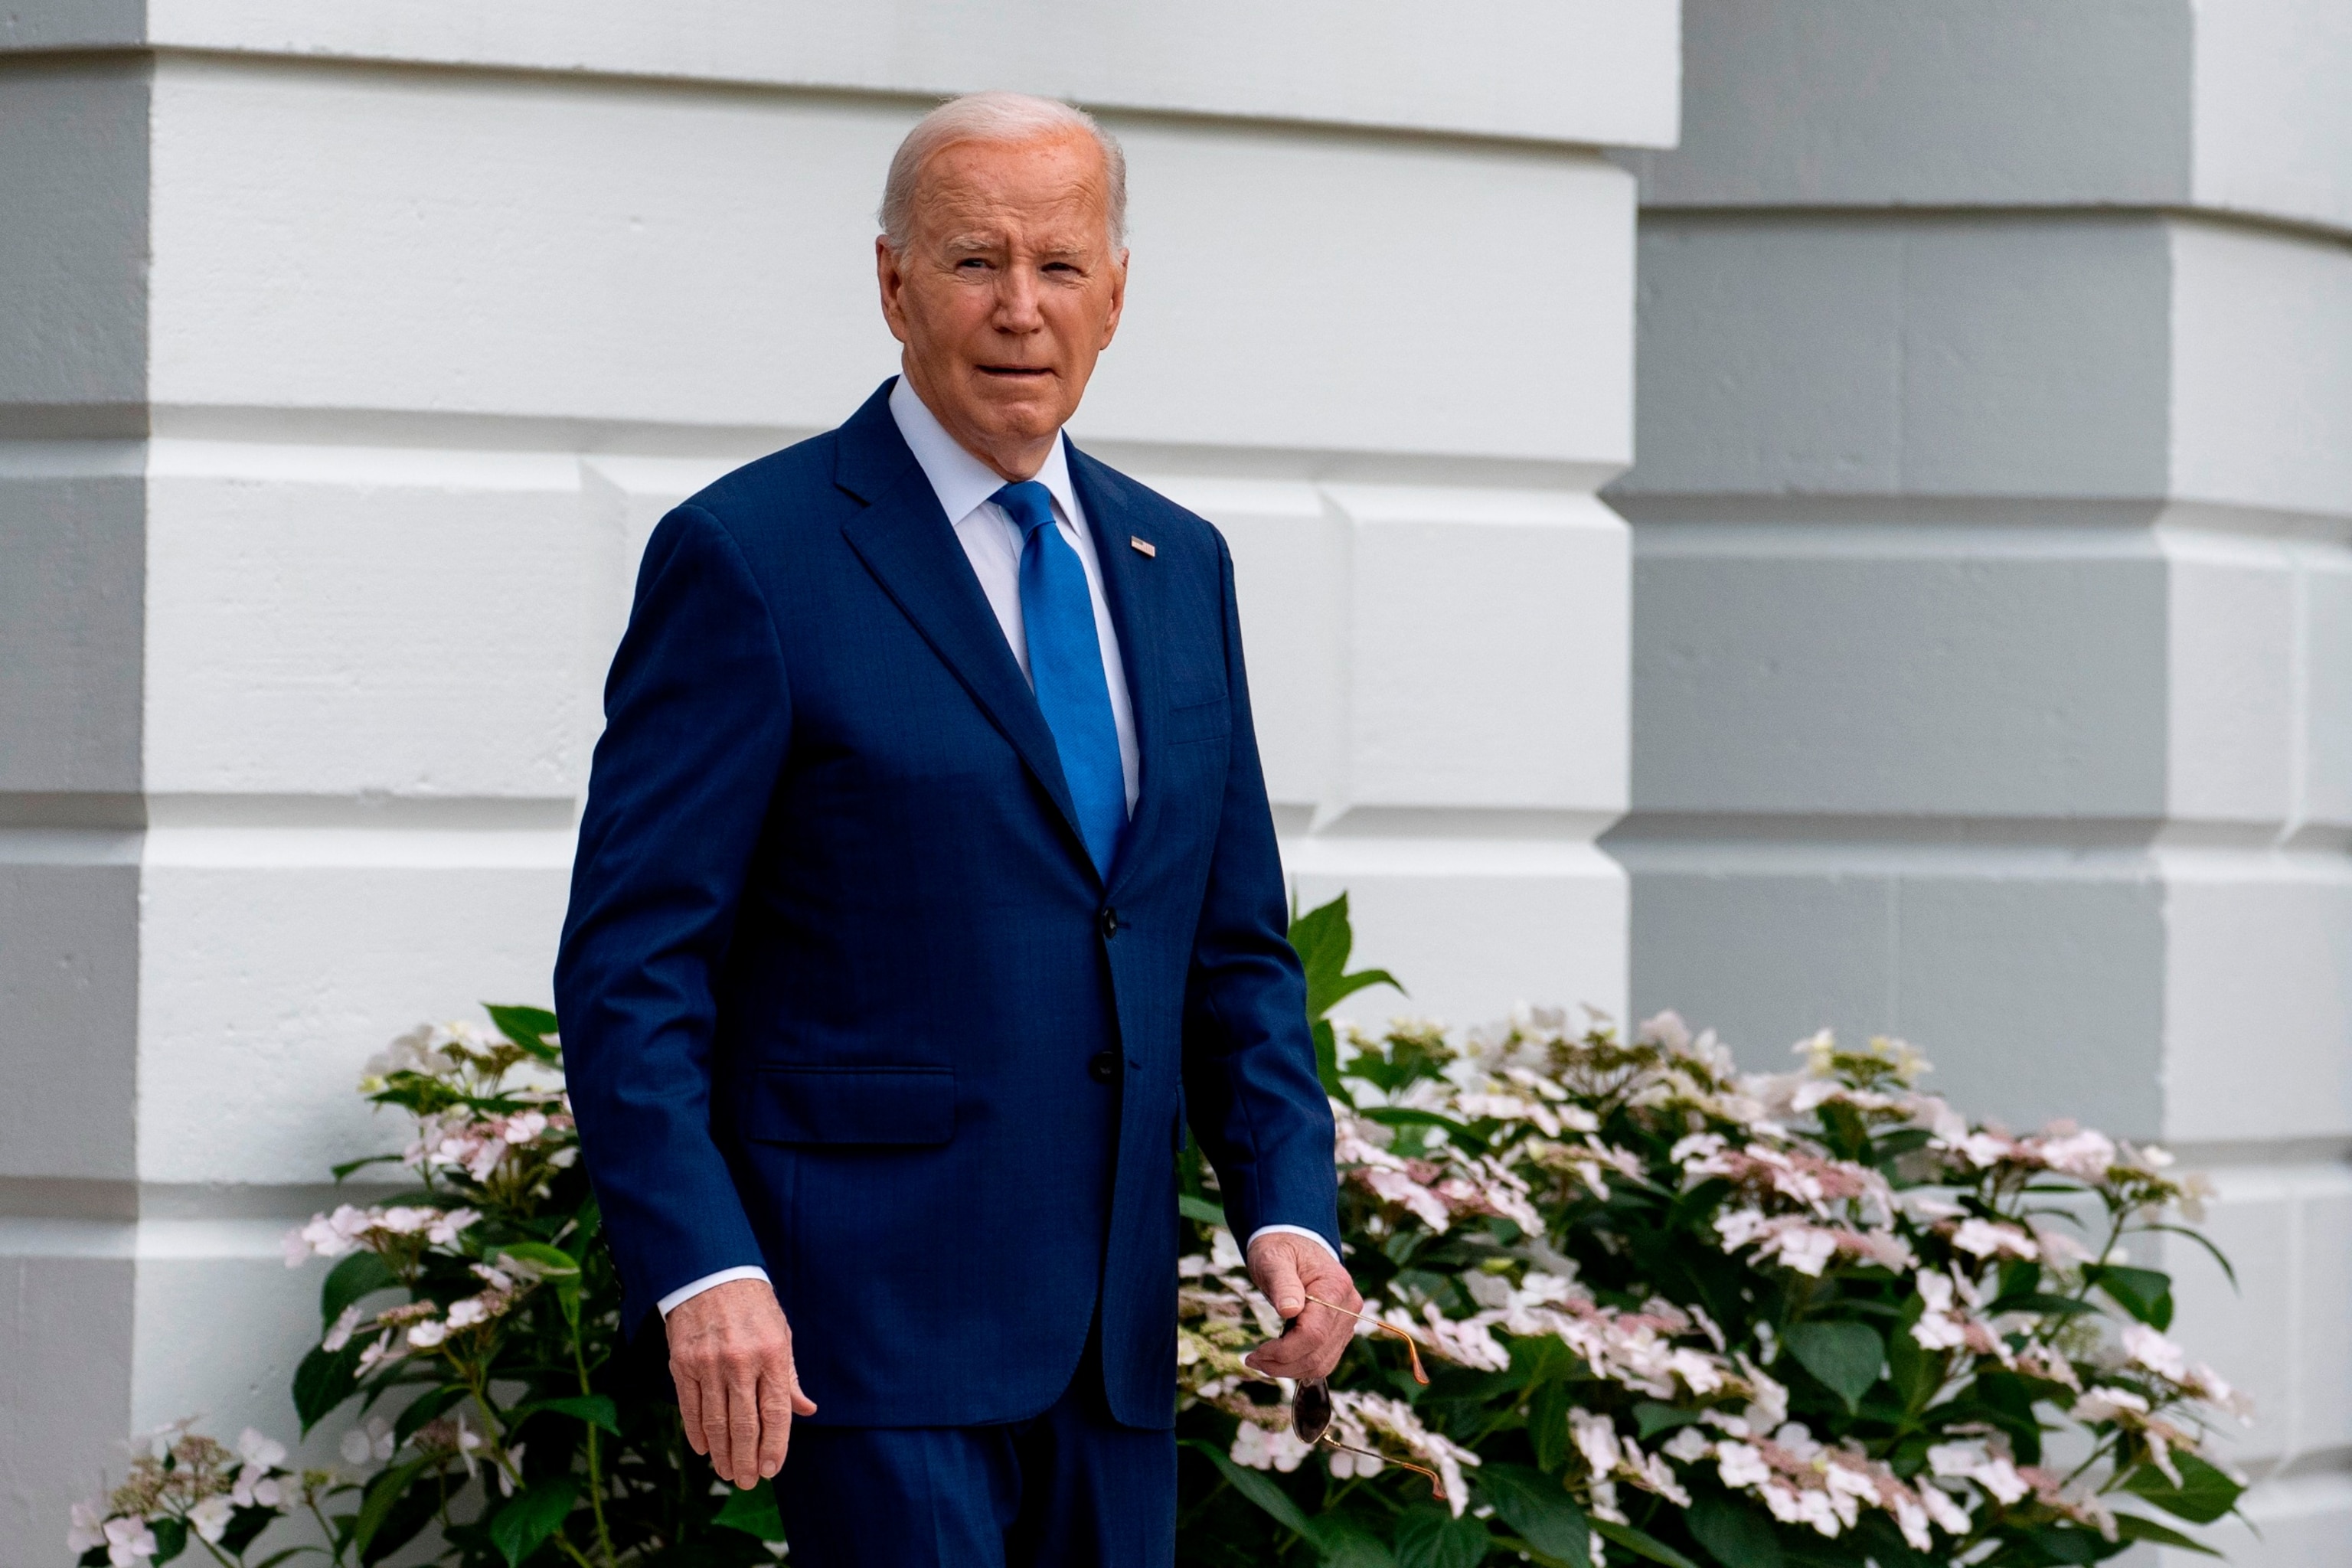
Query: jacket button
pixel 1103 1067
pixel 1110 922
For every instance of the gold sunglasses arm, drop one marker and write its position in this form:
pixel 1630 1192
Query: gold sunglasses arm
pixel 1411 1343
pixel 1436 1486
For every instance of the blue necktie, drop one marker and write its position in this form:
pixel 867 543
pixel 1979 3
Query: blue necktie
pixel 1065 668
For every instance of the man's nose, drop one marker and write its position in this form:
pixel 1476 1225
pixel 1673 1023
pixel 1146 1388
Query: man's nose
pixel 1016 302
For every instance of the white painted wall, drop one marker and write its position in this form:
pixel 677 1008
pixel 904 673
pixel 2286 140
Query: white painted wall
pixel 348 353
pixel 1993 677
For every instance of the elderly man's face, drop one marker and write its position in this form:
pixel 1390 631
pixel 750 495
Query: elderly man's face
pixel 1007 291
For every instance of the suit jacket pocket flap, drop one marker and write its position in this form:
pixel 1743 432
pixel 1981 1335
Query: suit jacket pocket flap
pixel 852 1105
pixel 1199 713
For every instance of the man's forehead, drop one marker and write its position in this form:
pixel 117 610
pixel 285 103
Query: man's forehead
pixel 1050 170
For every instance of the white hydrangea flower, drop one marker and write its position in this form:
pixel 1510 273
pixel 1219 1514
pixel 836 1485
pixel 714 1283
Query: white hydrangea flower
pixel 89 1529
pixel 2156 1353
pixel 210 1517
pixel 374 1441
pixel 128 1540
pixel 1688 1445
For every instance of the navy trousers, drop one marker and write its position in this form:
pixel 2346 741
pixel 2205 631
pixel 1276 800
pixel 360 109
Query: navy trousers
pixel 1069 1489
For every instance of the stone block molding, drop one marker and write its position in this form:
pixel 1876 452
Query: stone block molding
pixel 1991 552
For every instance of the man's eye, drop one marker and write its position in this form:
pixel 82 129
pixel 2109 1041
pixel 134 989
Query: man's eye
pixel 972 264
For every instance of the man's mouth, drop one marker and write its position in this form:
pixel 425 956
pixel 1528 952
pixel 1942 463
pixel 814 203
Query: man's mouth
pixel 1015 372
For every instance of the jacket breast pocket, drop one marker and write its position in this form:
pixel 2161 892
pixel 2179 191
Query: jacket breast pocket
pixel 891 1105
pixel 1199 712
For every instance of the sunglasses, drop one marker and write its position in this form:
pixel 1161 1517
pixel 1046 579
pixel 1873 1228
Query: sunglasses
pixel 1311 1409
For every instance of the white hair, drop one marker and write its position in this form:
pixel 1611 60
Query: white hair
pixel 1000 117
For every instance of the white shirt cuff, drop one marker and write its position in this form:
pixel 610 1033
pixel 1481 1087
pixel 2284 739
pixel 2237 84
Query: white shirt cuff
pixel 693 1287
pixel 1271 1230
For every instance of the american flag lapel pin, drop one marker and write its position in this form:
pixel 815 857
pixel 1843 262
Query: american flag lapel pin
pixel 1142 545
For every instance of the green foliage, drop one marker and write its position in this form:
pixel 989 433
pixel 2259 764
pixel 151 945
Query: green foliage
pixel 1736 1537
pixel 523 1525
pixel 471 1330
pixel 2205 1492
pixel 1323 938
pixel 1536 1231
pixel 753 1510
pixel 1860 1281
pixel 1538 1512
pixel 1843 1357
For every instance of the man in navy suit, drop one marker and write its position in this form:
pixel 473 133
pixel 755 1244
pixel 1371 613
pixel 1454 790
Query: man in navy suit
pixel 926 892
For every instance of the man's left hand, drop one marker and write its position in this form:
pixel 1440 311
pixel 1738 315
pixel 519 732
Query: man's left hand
pixel 1289 1268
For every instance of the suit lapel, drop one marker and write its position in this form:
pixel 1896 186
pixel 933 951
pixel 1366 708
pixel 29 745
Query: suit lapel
pixel 1132 590
pixel 907 542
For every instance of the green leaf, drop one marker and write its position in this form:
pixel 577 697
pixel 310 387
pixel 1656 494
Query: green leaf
pixel 1323 938
pixel 324 1380
pixel 1640 1544
pixel 1651 1417
pixel 753 1510
pixel 2136 1527
pixel 1892 1146
pixel 361 1275
pixel 1201 1209
pixel 424 1407
pixel 1538 1512
pixel 2204 1495
pixel 1845 1356
pixel 528 1027
pixel 2081 1547
pixel 1547 1430
pixel 171 1538
pixel 1326 1060
pixel 1739 1537
pixel 1347 1544
pixel 1260 1490
pixel 348 1166
pixel 1429 1536
pixel 375 1507
pixel 244 1527
pixel 552 1262
pixel 2008 1400
pixel 589 1224
pixel 592 1408
pixel 2039 1302
pixel 536 1512
pixel 2019 1276
pixel 1915 1371
pixel 2199 1238
pixel 2144 1293
pixel 407 1518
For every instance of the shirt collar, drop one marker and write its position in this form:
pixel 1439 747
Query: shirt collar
pixel 961 481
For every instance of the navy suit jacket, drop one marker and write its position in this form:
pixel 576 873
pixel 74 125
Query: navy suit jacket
pixel 838 969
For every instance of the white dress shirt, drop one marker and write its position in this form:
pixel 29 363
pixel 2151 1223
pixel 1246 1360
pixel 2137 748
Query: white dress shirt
pixel 992 542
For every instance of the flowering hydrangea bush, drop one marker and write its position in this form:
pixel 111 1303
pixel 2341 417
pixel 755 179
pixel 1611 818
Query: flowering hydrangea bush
pixel 1681 1315
pixel 1671 1313
pixel 470 1341
pixel 185 1486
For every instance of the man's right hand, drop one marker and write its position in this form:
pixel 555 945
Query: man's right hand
pixel 730 1353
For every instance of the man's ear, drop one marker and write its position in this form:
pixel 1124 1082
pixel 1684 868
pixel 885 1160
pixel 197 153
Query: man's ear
pixel 890 277
pixel 1117 301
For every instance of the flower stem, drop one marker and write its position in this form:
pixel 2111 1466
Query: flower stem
pixel 334 1541
pixel 595 1466
pixel 216 1551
